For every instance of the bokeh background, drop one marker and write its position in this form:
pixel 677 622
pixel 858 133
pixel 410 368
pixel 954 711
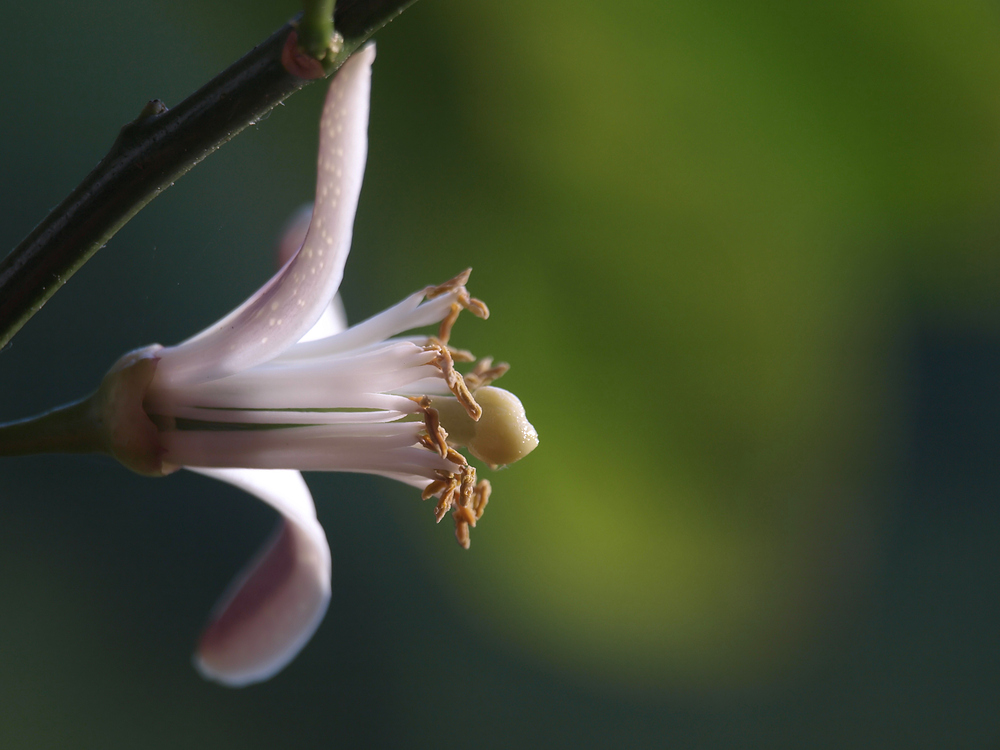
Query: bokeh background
pixel 743 257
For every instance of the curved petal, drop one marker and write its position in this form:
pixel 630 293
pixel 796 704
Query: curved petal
pixel 275 604
pixel 330 323
pixel 294 234
pixel 291 302
pixel 401 317
pixel 334 318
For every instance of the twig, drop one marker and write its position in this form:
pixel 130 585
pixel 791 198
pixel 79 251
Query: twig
pixel 153 151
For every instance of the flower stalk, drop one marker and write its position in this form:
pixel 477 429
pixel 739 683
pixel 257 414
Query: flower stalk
pixel 111 420
pixel 316 28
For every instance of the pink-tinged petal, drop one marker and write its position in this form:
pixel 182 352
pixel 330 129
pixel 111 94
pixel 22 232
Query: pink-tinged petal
pixel 275 604
pixel 334 318
pixel 331 322
pixel 294 234
pixel 289 304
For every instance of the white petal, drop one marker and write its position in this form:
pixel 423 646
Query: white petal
pixel 293 234
pixel 330 323
pixel 401 317
pixel 334 318
pixel 352 381
pixel 289 304
pixel 240 417
pixel 275 604
pixel 367 448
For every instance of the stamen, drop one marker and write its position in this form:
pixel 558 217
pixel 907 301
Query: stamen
pixel 468 475
pixel 462 301
pixel 447 499
pixel 464 514
pixel 449 286
pixel 462 532
pixel 453 379
pixel 463 520
pixel 461 355
pixel 438 485
pixel 426 441
pixel 444 330
pixel 483 490
pixel 476 306
pixel 485 373
pixel 459 493
pixel 436 435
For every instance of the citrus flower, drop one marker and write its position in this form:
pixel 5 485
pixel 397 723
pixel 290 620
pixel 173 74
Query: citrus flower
pixel 280 385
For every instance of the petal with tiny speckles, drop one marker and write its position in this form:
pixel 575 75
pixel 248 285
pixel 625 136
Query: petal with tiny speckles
pixel 291 302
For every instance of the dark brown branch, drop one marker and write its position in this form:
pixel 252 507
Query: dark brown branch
pixel 152 152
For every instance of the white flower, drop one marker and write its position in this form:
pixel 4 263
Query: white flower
pixel 263 393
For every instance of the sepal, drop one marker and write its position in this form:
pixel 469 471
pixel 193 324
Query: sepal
pixel 123 429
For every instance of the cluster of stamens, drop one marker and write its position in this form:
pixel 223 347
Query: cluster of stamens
pixel 457 490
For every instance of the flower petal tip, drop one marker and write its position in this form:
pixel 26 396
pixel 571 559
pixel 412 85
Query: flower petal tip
pixel 269 615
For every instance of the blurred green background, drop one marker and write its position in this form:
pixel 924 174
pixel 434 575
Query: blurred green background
pixel 743 257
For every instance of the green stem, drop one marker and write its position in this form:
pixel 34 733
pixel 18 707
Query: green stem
pixel 316 27
pixel 67 429
pixel 153 151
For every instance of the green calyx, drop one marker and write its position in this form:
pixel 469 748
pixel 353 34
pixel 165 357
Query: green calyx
pixel 111 420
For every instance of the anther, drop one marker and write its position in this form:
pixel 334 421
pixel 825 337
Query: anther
pixel 438 485
pixel 446 501
pixel 468 476
pixel 465 514
pixel 449 286
pixel 485 373
pixel 455 382
pixel 483 490
pixel 436 435
pixel 477 307
pixel 462 532
pixel 461 355
pixel 455 457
